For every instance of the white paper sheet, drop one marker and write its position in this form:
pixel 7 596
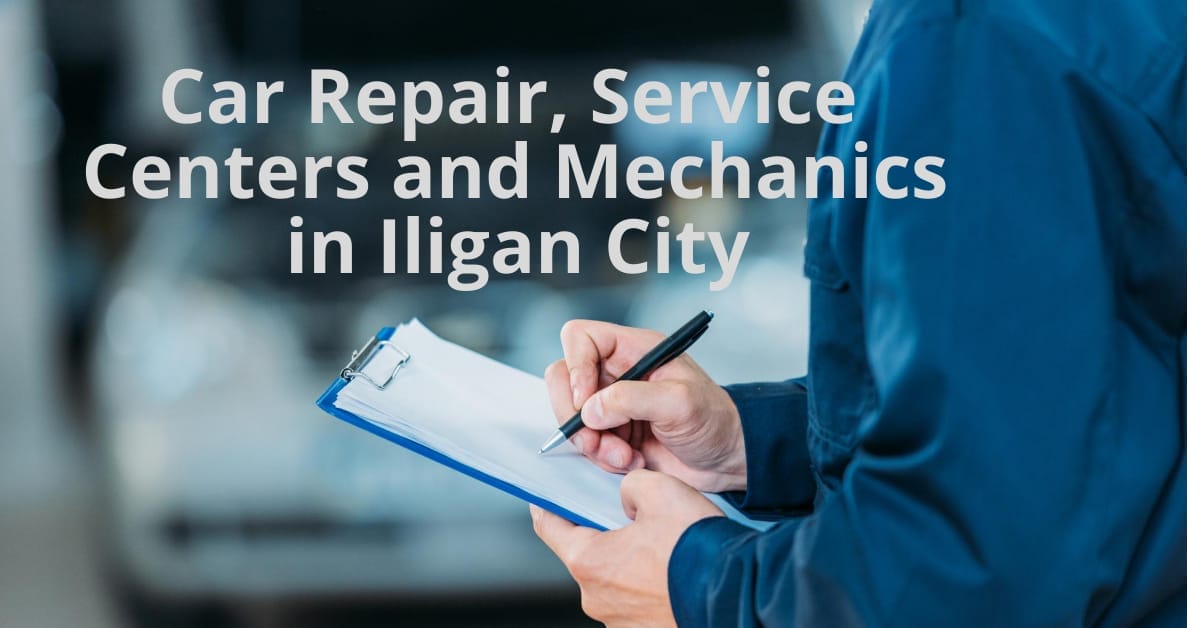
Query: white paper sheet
pixel 484 414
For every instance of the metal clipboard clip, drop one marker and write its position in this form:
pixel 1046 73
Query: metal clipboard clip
pixel 360 358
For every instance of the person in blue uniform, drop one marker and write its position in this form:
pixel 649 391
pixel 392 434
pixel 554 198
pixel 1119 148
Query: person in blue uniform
pixel 991 432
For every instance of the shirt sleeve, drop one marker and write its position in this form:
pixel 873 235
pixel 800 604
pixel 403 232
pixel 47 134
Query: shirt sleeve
pixel 976 494
pixel 779 480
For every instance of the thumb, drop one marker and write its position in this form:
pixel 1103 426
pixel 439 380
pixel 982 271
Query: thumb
pixel 564 538
pixel 642 490
pixel 655 402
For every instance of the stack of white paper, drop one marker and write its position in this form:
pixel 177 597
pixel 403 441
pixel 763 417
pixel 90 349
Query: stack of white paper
pixel 484 414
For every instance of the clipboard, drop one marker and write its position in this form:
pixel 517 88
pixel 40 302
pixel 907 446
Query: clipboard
pixel 395 359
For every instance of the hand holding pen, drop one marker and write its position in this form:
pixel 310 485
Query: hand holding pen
pixel 677 420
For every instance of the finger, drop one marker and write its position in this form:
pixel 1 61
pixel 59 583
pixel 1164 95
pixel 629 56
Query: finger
pixel 558 384
pixel 592 445
pixel 610 450
pixel 600 453
pixel 564 538
pixel 583 355
pixel 640 488
pixel 588 344
pixel 647 494
pixel 660 458
pixel 617 455
pixel 661 403
pixel 587 442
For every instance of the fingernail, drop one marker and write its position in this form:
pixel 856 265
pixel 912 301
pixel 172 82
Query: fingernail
pixel 576 396
pixel 535 512
pixel 614 458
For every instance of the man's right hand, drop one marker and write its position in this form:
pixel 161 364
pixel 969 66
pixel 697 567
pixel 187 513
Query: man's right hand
pixel 677 421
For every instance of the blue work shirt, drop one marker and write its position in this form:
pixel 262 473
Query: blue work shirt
pixel 992 429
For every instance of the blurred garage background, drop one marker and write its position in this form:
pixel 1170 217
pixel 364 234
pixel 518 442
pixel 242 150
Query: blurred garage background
pixel 161 459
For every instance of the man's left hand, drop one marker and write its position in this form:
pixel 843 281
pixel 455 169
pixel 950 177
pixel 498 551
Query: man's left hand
pixel 622 574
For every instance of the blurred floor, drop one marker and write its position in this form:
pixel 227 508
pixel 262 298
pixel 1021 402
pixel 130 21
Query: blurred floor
pixel 457 614
pixel 51 575
pixel 49 567
pixel 543 614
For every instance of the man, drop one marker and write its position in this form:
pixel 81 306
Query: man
pixel 991 432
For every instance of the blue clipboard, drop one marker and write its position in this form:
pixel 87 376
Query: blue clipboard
pixel 325 402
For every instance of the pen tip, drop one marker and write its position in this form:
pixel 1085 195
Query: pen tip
pixel 554 441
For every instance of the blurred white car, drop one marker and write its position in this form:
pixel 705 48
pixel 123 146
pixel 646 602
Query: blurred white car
pixel 224 481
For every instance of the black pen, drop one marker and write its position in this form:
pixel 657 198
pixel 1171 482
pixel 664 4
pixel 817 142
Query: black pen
pixel 670 348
